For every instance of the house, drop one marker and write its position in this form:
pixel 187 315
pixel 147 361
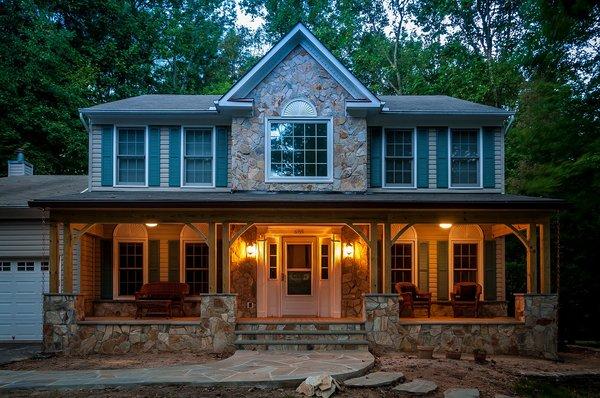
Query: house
pixel 24 247
pixel 294 203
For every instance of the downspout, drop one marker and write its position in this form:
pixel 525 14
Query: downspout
pixel 89 131
pixel 511 119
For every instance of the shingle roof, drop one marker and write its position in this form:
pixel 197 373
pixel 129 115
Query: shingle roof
pixel 195 199
pixel 16 191
pixel 158 102
pixel 436 104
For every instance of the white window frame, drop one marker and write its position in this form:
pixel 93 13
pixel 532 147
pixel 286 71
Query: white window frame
pixel 414 168
pixel 480 149
pixel 182 269
pixel 116 154
pixel 183 182
pixel 116 259
pixel 479 244
pixel 314 180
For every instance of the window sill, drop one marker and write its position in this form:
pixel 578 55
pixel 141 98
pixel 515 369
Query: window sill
pixel 298 181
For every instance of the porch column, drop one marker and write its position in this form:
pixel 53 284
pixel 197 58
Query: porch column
pixel 212 258
pixel 54 258
pixel 532 263
pixel 373 256
pixel 225 256
pixel 67 259
pixel 387 258
pixel 545 257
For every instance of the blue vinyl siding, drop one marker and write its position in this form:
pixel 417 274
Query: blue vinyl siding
pixel 488 144
pixel 422 158
pixel 154 156
pixel 375 141
pixel 442 157
pixel 222 156
pixel 175 156
pixel 107 156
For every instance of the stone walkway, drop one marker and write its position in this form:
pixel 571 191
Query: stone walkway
pixel 247 368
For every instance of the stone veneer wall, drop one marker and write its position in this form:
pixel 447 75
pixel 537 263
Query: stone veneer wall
pixel 299 76
pixel 65 332
pixel 355 274
pixel 110 308
pixel 487 309
pixel 534 332
pixel 243 274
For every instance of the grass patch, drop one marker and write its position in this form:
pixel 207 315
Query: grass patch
pixel 552 389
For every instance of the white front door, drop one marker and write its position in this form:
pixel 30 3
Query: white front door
pixel 299 295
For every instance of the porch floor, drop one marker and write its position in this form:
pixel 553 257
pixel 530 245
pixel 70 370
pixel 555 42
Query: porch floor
pixel 298 320
pixel 505 320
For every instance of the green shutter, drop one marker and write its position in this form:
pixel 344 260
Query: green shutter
pixel 442 158
pixel 175 157
pixel 173 261
pixel 107 156
pixel 489 265
pixel 488 157
pixel 375 142
pixel 442 270
pixel 422 158
pixel 106 269
pixel 221 152
pixel 423 266
pixel 154 261
pixel 154 156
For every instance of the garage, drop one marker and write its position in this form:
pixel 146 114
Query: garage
pixel 22 284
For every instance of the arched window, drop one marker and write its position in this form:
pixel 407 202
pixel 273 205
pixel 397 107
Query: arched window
pixel 299 107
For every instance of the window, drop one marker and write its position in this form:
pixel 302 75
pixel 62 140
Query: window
pixel 25 266
pixel 399 157
pixel 465 262
pixel 464 153
pixel 131 267
pixel 5 266
pixel 196 267
pixel 131 156
pixel 299 151
pixel 45 266
pixel 198 156
pixel 324 261
pixel 272 261
pixel 402 263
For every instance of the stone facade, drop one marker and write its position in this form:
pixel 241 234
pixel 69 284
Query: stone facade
pixel 112 308
pixel 243 274
pixel 533 333
pixel 66 332
pixel 487 309
pixel 355 274
pixel 299 76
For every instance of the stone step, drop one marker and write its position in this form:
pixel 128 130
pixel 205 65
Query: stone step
pixel 338 327
pixel 303 344
pixel 301 332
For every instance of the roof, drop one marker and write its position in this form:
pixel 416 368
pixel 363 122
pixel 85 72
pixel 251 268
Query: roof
pixel 437 104
pixel 16 191
pixel 157 103
pixel 195 199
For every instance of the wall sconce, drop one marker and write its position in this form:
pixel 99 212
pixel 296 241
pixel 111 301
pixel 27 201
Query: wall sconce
pixel 445 226
pixel 251 250
pixel 348 249
pixel 151 224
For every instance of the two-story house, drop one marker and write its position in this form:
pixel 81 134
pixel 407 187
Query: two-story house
pixel 298 193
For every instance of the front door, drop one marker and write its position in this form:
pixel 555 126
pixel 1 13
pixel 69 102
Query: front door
pixel 299 287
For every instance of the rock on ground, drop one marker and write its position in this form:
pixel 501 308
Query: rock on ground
pixel 416 387
pixel 320 386
pixel 375 379
pixel 461 393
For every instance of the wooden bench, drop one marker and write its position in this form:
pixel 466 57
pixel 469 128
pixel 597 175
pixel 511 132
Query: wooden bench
pixel 160 298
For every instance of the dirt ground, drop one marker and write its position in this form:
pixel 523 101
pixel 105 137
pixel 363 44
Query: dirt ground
pixel 498 376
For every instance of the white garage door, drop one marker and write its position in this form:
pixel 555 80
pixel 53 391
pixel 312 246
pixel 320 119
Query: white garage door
pixel 22 284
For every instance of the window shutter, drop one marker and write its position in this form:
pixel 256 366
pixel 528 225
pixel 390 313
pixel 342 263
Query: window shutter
pixel 442 158
pixel 442 270
pixel 489 264
pixel 175 156
pixel 488 156
pixel 222 152
pixel 107 156
pixel 173 261
pixel 106 269
pixel 424 266
pixel 153 260
pixel 422 157
pixel 375 143
pixel 154 156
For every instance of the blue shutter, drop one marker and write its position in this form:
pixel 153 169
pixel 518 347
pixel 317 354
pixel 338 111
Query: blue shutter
pixel 375 142
pixel 489 265
pixel 442 270
pixel 442 157
pixel 423 253
pixel 222 155
pixel 154 156
pixel 175 157
pixel 107 156
pixel 422 157
pixel 488 157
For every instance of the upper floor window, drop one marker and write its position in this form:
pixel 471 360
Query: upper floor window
pixel 198 156
pixel 299 151
pixel 465 158
pixel 131 156
pixel 399 157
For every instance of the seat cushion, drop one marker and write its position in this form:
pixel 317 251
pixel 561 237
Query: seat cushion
pixel 468 292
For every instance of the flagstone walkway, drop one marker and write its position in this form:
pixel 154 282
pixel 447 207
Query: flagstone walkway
pixel 247 368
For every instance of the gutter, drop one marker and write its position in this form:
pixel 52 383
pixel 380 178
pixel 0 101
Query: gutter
pixel 446 113
pixel 83 121
pixel 159 112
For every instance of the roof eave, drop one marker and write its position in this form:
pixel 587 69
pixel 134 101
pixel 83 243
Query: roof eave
pixel 447 113
pixel 148 112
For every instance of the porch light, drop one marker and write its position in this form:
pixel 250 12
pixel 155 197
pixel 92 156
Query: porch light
pixel 151 224
pixel 348 249
pixel 445 225
pixel 251 250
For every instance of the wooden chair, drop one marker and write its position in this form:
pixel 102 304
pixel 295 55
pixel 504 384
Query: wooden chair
pixel 412 298
pixel 157 296
pixel 465 297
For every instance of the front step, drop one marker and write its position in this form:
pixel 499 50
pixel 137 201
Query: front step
pixel 301 335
